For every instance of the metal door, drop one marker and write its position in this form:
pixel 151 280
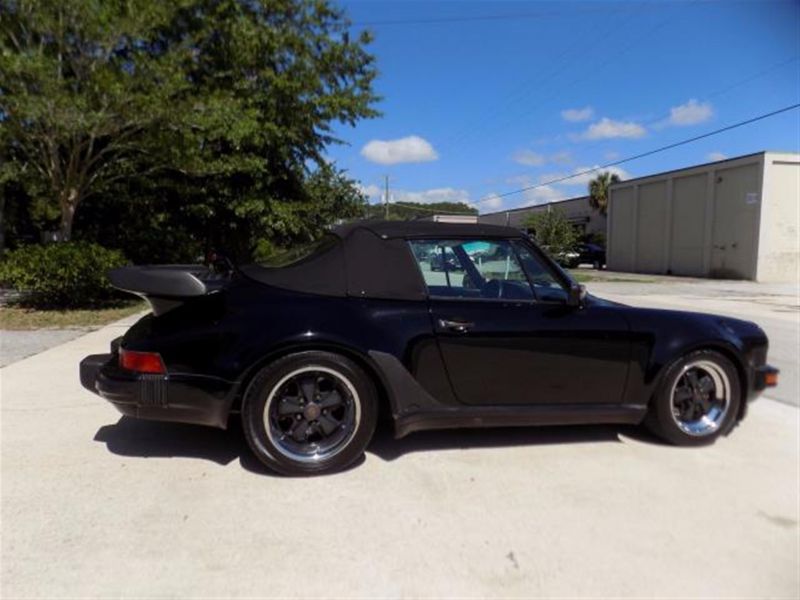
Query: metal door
pixel 737 200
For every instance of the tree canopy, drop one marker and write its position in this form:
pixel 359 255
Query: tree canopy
pixel 417 210
pixel 206 119
pixel 553 231
pixel 598 190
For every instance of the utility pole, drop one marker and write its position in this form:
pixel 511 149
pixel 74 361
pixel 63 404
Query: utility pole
pixel 386 197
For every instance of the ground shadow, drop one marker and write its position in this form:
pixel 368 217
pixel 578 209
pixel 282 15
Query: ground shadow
pixel 144 439
pixel 387 448
pixel 138 438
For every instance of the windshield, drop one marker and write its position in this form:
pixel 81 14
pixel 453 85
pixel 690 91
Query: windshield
pixel 299 252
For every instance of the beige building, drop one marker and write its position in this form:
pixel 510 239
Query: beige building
pixel 736 219
pixel 577 211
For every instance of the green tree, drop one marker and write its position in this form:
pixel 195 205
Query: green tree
pixel 405 211
pixel 79 88
pixel 598 190
pixel 222 108
pixel 554 232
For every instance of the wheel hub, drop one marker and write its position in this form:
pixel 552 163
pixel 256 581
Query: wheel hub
pixel 312 412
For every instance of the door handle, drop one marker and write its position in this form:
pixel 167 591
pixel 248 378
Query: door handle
pixel 455 326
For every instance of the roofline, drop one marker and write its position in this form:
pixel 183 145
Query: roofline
pixel 659 174
pixel 520 208
pixel 700 166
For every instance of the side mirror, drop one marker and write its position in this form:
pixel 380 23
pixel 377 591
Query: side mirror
pixel 577 294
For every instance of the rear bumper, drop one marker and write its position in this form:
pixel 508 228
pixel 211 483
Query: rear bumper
pixel 172 397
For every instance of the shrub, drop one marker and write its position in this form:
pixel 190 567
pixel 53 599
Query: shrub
pixel 554 232
pixel 61 275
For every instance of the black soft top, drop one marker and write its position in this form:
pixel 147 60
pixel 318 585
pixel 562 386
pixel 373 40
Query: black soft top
pixel 427 229
pixel 369 259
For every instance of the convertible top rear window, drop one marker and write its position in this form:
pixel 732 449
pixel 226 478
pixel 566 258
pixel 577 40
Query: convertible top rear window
pixel 299 252
pixel 354 262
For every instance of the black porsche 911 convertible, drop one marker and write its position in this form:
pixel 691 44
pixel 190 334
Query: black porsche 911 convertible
pixel 308 348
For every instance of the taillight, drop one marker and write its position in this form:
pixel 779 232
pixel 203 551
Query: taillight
pixel 141 362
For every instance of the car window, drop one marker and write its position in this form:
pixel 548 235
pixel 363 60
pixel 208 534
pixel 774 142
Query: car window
pixel 479 269
pixel 546 286
pixel 298 253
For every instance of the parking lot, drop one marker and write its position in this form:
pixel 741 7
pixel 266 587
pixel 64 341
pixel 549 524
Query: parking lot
pixel 98 505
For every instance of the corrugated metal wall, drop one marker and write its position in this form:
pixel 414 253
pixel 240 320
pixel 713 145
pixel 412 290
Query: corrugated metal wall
pixel 700 222
pixel 688 225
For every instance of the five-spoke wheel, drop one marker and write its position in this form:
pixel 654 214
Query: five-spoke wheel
pixel 701 397
pixel 309 412
pixel 698 399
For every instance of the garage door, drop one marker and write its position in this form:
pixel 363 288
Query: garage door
pixel 688 225
pixel 736 207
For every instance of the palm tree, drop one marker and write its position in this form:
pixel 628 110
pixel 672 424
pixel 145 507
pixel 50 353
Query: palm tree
pixel 598 190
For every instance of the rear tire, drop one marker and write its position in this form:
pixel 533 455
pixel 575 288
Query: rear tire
pixel 697 401
pixel 310 413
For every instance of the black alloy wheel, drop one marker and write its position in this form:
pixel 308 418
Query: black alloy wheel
pixel 310 412
pixel 698 399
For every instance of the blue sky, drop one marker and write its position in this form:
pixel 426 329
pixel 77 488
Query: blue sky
pixel 476 106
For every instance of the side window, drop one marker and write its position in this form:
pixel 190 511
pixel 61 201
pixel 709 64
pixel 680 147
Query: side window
pixel 471 269
pixel 545 284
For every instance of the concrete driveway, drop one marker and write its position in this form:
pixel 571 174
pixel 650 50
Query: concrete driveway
pixel 98 505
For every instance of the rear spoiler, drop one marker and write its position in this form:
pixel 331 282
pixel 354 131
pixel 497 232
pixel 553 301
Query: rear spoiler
pixel 167 286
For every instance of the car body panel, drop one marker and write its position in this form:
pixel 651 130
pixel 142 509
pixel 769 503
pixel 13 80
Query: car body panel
pixel 528 352
pixel 518 362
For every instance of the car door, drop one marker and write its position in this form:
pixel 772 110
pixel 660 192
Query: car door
pixel 508 337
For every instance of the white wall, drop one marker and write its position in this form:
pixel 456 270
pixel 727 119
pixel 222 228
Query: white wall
pixel 732 218
pixel 779 230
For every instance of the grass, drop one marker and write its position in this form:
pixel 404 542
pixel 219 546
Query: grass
pixel 583 277
pixel 13 317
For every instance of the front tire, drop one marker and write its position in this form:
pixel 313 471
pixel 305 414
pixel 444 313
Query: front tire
pixel 310 413
pixel 697 401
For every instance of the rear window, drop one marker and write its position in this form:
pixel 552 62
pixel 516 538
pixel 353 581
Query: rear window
pixel 299 253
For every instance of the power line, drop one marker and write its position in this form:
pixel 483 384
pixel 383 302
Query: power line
pixel 641 155
pixel 467 19
pixel 753 77
pixel 613 163
pixel 712 94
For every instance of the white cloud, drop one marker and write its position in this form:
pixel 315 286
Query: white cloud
pixel 409 149
pixel 575 115
pixel 543 195
pixel 585 178
pixel 715 156
pixel 561 158
pixel 607 128
pixel 581 177
pixel 691 113
pixel 371 191
pixel 529 158
pixel 445 194
pixel 491 202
